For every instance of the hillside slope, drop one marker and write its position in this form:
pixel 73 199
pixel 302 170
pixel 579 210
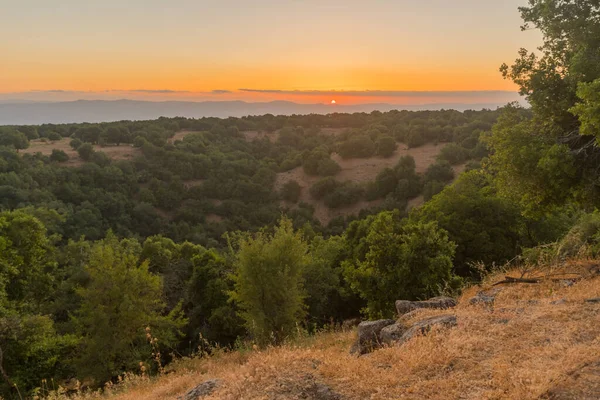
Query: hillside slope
pixel 538 341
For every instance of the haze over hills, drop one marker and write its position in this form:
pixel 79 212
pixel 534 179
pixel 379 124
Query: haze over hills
pixel 33 113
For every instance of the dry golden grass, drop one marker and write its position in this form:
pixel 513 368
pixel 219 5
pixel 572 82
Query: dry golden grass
pixel 522 348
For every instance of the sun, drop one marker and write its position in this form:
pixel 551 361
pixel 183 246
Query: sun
pixel 333 102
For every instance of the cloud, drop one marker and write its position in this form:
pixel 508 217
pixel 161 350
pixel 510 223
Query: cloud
pixel 221 91
pixel 158 91
pixel 383 93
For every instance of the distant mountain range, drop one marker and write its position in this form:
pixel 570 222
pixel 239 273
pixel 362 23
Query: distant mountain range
pixel 35 113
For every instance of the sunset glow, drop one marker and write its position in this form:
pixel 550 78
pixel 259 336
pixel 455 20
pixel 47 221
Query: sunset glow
pixel 202 50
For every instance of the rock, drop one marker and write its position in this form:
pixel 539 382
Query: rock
pixel 485 297
pixel 368 335
pixel 424 326
pixel 440 303
pixel 594 300
pixel 392 333
pixel 558 302
pixel 204 389
pixel 567 282
pixel 319 391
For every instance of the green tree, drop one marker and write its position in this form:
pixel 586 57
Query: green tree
pixel 403 260
pixel 210 313
pixel 268 282
pixel 530 169
pixel 386 146
pixel 568 56
pixel 588 109
pixel 86 151
pixel 59 156
pixel 120 301
pixel 291 191
pixel 485 227
pixel 12 138
pixel 75 143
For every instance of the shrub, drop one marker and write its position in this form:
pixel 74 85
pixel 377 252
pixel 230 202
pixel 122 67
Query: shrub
pixel 268 288
pixel 403 260
pixel 85 151
pixel 291 191
pixel 323 187
pixel 75 143
pixel 54 136
pixel 358 146
pixel 344 195
pixel 59 156
pixel 453 153
pixel 328 167
pixel 386 146
pixel 441 171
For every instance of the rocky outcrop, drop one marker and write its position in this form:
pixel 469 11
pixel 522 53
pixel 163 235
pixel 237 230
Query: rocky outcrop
pixel 440 303
pixel 369 335
pixel 202 390
pixel 485 298
pixel 392 333
pixel 424 326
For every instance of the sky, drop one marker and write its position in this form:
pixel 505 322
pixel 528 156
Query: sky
pixel 308 51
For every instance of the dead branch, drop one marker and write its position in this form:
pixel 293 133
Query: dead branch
pixel 510 279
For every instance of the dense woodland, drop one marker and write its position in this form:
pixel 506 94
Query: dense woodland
pixel 112 266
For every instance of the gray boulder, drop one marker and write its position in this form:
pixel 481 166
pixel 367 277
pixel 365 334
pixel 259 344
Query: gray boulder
pixel 392 333
pixel 485 298
pixel 424 326
pixel 369 335
pixel 202 390
pixel 440 303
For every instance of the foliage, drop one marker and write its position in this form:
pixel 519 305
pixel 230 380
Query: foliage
pixel 59 156
pixel 403 260
pixel 484 227
pixel 121 300
pixel 291 191
pixel 268 282
pixel 86 151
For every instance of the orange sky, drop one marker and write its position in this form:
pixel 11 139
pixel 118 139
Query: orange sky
pixel 206 45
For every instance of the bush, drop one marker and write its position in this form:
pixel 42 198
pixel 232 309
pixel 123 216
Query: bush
pixel 402 260
pixel 453 153
pixel 59 156
pixel 85 151
pixel 415 139
pixel 358 146
pixel 268 282
pixel 322 187
pixel 139 141
pixel 75 143
pixel 291 191
pixel 344 195
pixel 328 167
pixel 386 146
pixel 54 136
pixel 441 171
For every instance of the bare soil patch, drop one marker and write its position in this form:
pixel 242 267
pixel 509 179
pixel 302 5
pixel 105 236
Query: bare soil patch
pixel 121 152
pixel 361 170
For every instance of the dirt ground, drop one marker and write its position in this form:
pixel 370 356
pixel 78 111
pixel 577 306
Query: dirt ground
pixel 361 170
pixel 122 152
